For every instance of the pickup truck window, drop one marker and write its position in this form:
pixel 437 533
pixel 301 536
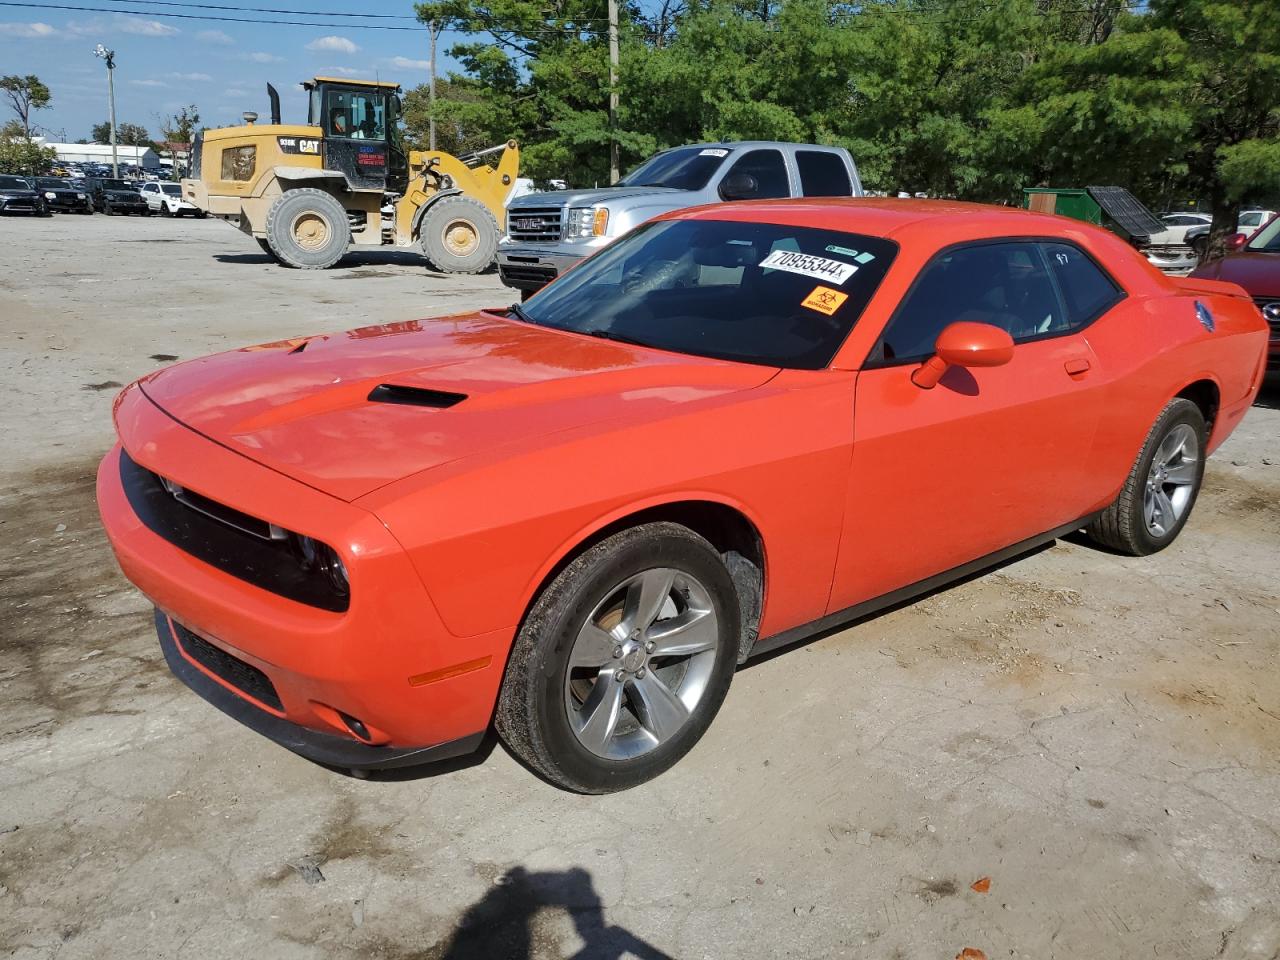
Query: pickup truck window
pixel 823 174
pixel 763 293
pixel 769 170
pixel 687 168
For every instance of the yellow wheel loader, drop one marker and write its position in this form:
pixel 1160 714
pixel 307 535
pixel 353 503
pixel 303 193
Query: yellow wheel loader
pixel 308 193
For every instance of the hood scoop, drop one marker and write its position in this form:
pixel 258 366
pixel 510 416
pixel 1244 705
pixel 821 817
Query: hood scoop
pixel 415 396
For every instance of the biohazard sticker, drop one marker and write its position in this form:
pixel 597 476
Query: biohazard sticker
pixel 824 300
pixel 807 265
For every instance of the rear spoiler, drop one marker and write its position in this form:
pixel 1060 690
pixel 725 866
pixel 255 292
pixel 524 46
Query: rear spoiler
pixel 1210 288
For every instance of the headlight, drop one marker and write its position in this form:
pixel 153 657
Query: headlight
pixel 51 196
pixel 586 222
pixel 81 196
pixel 319 556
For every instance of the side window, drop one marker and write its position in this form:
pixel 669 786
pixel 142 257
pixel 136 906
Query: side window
pixel 823 174
pixel 1088 291
pixel 769 171
pixel 353 115
pixel 1004 284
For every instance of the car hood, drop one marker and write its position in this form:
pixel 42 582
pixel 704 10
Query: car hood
pixel 122 195
pixel 318 409
pixel 1258 273
pixel 584 198
pixel 17 194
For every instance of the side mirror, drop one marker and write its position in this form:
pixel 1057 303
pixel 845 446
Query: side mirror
pixel 1236 242
pixel 739 186
pixel 964 344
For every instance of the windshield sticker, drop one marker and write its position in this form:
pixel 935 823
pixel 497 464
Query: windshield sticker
pixel 820 268
pixel 713 152
pixel 844 251
pixel 865 257
pixel 824 300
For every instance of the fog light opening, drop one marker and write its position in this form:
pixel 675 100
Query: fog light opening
pixel 357 727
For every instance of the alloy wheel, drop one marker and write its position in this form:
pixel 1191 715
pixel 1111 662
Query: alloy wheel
pixel 641 663
pixel 1171 480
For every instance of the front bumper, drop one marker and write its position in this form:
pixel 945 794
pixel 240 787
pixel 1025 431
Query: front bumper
pixel 21 205
pixel 531 266
pixel 326 748
pixel 387 661
pixel 69 204
pixel 1172 257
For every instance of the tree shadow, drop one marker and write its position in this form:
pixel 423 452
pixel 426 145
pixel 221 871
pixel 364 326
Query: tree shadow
pixel 502 923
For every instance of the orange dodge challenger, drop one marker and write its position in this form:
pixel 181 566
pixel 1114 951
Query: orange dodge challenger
pixel 736 426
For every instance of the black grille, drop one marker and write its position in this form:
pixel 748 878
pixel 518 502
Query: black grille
pixel 534 223
pixel 245 677
pixel 231 547
pixel 1270 307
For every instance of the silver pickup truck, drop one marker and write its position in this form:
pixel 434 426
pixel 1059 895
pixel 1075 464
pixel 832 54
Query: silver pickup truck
pixel 547 233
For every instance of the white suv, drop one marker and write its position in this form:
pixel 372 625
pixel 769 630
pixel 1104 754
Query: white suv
pixel 166 199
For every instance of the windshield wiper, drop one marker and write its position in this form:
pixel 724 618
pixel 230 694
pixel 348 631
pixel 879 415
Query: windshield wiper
pixel 617 337
pixel 521 314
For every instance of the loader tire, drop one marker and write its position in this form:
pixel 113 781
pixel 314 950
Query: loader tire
pixel 459 235
pixel 307 229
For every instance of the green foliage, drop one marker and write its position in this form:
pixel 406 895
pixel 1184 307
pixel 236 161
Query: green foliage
pixel 25 94
pixel 180 127
pixel 19 155
pixel 127 134
pixel 974 99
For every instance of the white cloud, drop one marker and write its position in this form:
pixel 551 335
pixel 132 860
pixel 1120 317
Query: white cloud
pixel 259 57
pixel 192 77
pixel 214 36
pixel 404 63
pixel 148 83
pixel 334 44
pixel 27 30
pixel 346 72
pixel 147 28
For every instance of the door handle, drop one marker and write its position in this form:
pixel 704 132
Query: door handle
pixel 1077 367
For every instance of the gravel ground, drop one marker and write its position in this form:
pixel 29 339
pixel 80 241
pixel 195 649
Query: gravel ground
pixel 1099 736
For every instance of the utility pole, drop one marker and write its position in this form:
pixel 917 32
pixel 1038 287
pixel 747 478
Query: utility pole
pixel 110 56
pixel 613 91
pixel 431 88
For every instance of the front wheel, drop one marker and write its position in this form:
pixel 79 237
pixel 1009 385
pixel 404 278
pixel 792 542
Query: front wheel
pixel 106 209
pixel 459 235
pixel 307 229
pixel 1162 487
pixel 623 660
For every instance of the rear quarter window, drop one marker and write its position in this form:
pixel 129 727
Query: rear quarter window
pixel 1087 291
pixel 823 174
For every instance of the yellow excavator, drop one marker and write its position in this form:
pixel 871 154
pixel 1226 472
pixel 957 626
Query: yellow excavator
pixel 308 193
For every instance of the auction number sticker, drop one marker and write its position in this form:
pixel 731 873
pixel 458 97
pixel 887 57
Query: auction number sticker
pixel 820 268
pixel 824 300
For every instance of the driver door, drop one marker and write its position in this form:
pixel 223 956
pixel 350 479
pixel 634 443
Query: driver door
pixel 987 458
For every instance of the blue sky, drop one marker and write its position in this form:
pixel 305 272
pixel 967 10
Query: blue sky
pixel 222 67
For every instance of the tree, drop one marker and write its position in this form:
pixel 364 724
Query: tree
pixel 127 134
pixel 25 94
pixel 181 126
pixel 19 155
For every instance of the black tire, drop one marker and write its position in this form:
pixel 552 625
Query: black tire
pixel 1123 525
pixel 1199 245
pixel 459 235
pixel 266 248
pixel 532 716
pixel 144 212
pixel 199 214
pixel 106 208
pixel 307 211
pixel 164 211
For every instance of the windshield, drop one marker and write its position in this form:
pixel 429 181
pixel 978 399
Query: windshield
pixel 171 189
pixel 753 292
pixel 52 183
pixel 688 168
pixel 116 185
pixel 13 183
pixel 1266 240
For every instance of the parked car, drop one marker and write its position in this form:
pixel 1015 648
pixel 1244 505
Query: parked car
pixel 1168 249
pixel 574 518
pixel 1197 238
pixel 60 195
pixel 1256 267
pixel 116 196
pixel 166 199
pixel 547 233
pixel 16 196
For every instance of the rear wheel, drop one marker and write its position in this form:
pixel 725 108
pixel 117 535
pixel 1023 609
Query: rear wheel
pixel 1162 487
pixel 459 235
pixel 307 229
pixel 106 208
pixel 623 660
pixel 266 248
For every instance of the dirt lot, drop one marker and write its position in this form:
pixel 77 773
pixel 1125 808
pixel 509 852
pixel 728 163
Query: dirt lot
pixel 1098 735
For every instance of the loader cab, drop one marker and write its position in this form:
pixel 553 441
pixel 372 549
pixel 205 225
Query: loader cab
pixel 361 124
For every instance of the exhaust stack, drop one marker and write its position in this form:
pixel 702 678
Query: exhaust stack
pixel 275 103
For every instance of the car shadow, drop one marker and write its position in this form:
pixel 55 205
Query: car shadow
pixel 354 260
pixel 1269 395
pixel 503 923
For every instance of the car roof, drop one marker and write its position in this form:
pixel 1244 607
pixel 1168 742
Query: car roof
pixel 735 144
